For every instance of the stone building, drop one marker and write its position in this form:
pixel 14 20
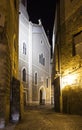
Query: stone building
pixel 8 60
pixel 34 60
pixel 67 57
pixel 25 64
pixel 41 70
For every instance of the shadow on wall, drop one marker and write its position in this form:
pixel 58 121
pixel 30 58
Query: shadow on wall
pixel 72 100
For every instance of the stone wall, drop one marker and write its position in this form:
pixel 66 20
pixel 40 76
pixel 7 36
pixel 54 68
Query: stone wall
pixel 70 62
pixel 68 29
pixel 72 100
pixel 5 74
pixel 8 54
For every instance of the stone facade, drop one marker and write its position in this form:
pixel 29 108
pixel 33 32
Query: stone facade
pixel 20 62
pixel 68 58
pixel 8 55
pixel 24 49
pixel 41 66
pixel 33 44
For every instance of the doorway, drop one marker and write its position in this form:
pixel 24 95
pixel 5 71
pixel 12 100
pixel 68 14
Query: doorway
pixel 40 96
pixel 15 112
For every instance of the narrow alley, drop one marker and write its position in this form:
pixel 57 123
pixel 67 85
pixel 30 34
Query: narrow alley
pixel 40 118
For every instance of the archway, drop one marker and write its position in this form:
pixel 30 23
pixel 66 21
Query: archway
pixel 42 96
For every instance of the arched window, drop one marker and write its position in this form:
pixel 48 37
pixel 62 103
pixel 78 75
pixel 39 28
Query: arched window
pixel 35 78
pixel 24 48
pixel 24 75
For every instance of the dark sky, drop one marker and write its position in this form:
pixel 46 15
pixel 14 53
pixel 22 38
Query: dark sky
pixel 44 10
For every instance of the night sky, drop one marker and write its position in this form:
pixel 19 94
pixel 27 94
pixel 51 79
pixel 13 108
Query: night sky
pixel 44 10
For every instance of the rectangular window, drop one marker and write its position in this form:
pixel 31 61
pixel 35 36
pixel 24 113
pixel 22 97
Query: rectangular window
pixel 42 59
pixel 77 44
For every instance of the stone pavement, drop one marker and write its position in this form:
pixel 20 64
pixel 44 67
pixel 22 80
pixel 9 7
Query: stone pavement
pixel 46 119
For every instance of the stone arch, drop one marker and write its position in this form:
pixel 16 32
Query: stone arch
pixel 42 95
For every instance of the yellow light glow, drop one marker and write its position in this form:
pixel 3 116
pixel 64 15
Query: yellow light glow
pixel 69 80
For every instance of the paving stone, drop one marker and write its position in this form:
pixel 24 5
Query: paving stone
pixel 42 118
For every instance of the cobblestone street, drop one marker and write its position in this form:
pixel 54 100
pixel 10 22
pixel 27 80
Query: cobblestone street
pixel 47 119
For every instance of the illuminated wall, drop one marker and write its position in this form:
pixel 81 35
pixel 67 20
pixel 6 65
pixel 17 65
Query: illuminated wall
pixel 68 54
pixel 25 49
pixel 41 63
pixel 35 59
pixel 8 56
